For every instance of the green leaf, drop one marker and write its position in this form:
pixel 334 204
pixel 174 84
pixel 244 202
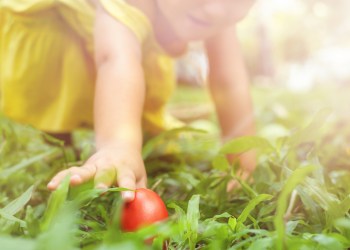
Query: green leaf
pixel 12 218
pixel 16 205
pixel 246 143
pixel 290 226
pixel 55 203
pixel 16 243
pixel 251 206
pixel 220 216
pixel 83 195
pixel 193 216
pixel 113 234
pixel 128 245
pixel 232 222
pixel 282 203
pixel 62 230
pixel 164 137
pixel 311 131
pixel 25 163
pixel 53 140
pixel 343 226
pixel 220 162
pixel 263 243
pixel 181 222
pixel 326 242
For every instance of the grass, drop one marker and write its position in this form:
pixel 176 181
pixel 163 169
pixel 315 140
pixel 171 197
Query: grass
pixel 300 198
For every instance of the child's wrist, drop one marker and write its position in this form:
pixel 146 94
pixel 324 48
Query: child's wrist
pixel 118 143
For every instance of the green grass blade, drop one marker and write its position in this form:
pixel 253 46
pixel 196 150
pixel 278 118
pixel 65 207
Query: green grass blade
pixel 55 203
pixel 246 143
pixel 282 203
pixel 10 217
pixel 16 243
pixel 61 230
pixel 193 216
pixel 25 163
pixel 311 131
pixel 153 143
pixel 251 206
pixel 16 205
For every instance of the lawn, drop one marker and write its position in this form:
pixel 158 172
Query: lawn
pixel 300 197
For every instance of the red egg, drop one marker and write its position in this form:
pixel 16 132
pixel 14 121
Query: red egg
pixel 147 208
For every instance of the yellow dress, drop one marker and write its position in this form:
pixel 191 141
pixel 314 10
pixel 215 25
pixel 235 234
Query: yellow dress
pixel 47 72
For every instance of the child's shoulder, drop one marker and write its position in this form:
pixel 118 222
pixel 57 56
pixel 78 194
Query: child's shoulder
pixel 127 14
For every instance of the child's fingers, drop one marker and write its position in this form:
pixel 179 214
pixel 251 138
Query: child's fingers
pixel 78 175
pixel 104 177
pixel 127 180
pixel 57 179
pixel 142 183
pixel 233 184
pixel 85 172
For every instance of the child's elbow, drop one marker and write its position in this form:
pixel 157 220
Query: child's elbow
pixel 103 58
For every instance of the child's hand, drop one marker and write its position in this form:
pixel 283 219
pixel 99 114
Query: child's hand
pixel 247 167
pixel 120 165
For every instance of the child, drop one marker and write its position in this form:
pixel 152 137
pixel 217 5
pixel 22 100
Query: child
pixel 107 63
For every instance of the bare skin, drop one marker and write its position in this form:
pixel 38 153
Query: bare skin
pixel 119 96
pixel 229 87
pixel 120 86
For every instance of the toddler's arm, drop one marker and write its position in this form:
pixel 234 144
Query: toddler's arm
pixel 119 97
pixel 229 86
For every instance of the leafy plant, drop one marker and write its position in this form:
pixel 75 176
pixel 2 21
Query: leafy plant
pixel 300 197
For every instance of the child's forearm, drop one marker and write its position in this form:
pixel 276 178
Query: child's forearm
pixel 120 87
pixel 229 85
pixel 234 108
pixel 118 108
pixel 236 119
pixel 119 98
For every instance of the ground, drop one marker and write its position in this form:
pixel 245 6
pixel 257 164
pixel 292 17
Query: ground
pixel 300 197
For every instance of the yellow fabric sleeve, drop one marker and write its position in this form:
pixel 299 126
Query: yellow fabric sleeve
pixel 131 17
pixel 27 6
pixel 47 72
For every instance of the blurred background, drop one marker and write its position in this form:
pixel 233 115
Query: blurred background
pixel 292 43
